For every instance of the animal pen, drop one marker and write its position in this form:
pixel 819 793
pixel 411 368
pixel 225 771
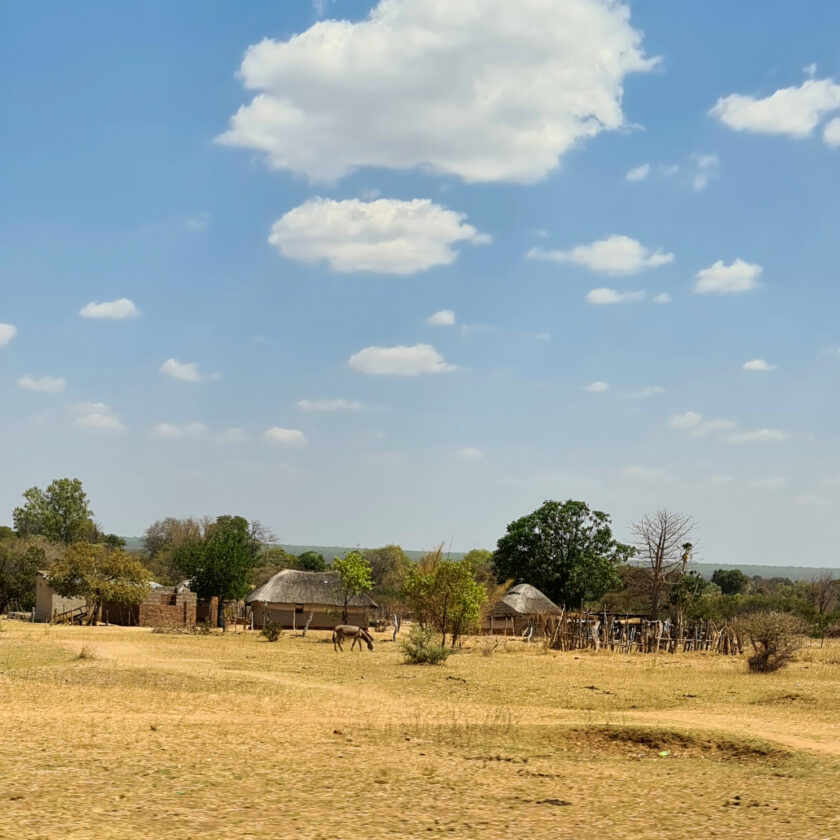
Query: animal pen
pixel 627 634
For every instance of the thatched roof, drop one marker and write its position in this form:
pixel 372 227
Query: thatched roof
pixel 295 587
pixel 524 599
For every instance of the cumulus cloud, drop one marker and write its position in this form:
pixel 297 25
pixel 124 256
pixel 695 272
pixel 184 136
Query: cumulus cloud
pixel 696 426
pixel 401 360
pixel 185 371
pixel 175 431
pixel 485 90
pixel 292 438
pixel 96 417
pixel 831 133
pixel 757 436
pixel 7 333
pixel 385 236
pixel 331 405
pixel 112 310
pixel 596 387
pixel 443 318
pixel 605 296
pixel 46 384
pixel 648 391
pixel 639 173
pixel 706 167
pixel 719 278
pixel 793 111
pixel 758 365
pixel 615 255
pixel 662 297
pixel 469 453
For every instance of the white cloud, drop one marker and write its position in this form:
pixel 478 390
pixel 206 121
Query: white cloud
pixel 811 500
pixel 486 90
pixel 757 436
pixel 758 365
pixel 198 223
pixel 97 416
pixel 615 255
pixel 810 69
pixel 648 391
pixel 831 133
pixel 385 236
pixel 738 276
pixel 7 333
pixel 178 432
pixel 669 170
pixel 706 168
pixel 46 384
pixel 720 480
pixel 234 435
pixel 293 438
pixel 185 371
pixel 652 475
pixel 112 310
pixel 639 173
pixel 443 318
pixel 401 360
pixel 695 426
pixel 605 296
pixel 596 387
pixel 662 297
pixel 770 483
pixel 794 111
pixel 331 405
pixel 469 453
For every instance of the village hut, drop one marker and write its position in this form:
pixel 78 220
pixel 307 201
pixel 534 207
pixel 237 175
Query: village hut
pixel 295 599
pixel 520 606
pixel 49 605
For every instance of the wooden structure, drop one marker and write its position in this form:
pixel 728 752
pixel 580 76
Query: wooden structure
pixel 49 604
pixel 294 599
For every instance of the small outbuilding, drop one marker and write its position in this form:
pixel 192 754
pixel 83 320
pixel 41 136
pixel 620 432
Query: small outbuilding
pixel 519 606
pixel 292 596
pixel 49 605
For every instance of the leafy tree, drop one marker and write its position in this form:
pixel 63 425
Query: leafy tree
pixel 20 559
pixel 310 561
pixel 271 559
pixel 564 549
pixel 99 574
pixel 354 577
pixel 161 540
pixel 731 581
pixel 444 594
pixel 60 513
pixel 219 563
pixel 387 568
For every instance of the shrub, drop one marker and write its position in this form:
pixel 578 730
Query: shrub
pixel 774 636
pixel 271 631
pixel 420 647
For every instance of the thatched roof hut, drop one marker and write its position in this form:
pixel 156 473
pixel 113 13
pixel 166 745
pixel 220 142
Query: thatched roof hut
pixel 291 596
pixel 519 605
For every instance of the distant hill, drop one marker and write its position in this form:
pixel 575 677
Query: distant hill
pixel 705 569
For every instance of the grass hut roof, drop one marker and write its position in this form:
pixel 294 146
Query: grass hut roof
pixel 524 599
pixel 295 587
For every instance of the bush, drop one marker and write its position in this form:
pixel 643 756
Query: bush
pixel 420 647
pixel 774 636
pixel 271 631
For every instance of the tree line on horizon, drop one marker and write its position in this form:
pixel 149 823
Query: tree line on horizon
pixel 565 549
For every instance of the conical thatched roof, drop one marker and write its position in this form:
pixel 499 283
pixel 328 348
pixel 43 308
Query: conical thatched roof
pixel 295 587
pixel 524 599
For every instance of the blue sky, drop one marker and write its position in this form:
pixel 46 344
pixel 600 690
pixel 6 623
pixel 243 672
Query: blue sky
pixel 642 196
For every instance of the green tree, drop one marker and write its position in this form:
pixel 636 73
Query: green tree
pixel 60 513
pixel 444 594
pixel 354 577
pixel 99 574
pixel 731 581
pixel 20 559
pixel 564 549
pixel 219 563
pixel 310 561
pixel 387 568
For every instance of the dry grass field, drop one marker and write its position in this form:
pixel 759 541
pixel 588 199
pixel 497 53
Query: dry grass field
pixel 178 736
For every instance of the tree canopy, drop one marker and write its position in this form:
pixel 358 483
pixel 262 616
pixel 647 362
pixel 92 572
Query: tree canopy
pixel 564 549
pixel 731 581
pixel 60 513
pixel 354 577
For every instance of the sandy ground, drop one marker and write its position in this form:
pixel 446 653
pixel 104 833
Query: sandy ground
pixel 180 735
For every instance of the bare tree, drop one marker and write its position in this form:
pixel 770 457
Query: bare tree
pixel 823 592
pixel 661 541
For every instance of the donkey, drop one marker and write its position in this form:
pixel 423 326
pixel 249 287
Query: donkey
pixel 350 631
